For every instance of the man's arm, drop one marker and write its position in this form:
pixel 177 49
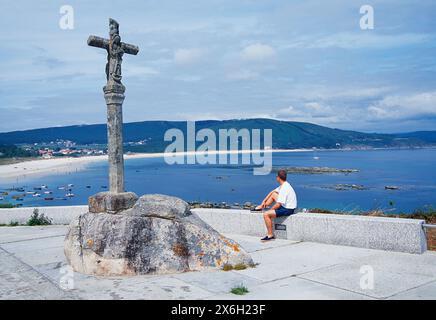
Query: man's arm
pixel 267 197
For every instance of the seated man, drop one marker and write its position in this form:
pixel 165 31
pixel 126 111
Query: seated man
pixel 285 203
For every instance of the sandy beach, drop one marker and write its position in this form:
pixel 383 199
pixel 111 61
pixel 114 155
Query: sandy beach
pixel 44 167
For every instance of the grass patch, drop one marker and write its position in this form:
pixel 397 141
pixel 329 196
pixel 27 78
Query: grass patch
pixel 6 206
pixel 240 290
pixel 37 219
pixel 240 266
pixel 11 224
pixel 227 267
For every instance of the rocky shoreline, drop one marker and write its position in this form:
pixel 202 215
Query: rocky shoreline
pixel 221 205
pixel 315 170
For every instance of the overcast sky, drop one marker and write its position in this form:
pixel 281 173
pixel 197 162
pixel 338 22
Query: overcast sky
pixel 291 60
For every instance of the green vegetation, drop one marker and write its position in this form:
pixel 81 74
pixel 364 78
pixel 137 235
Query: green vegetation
pixel 286 134
pixel 11 224
pixel 6 205
pixel 240 290
pixel 239 266
pixel 12 151
pixel 227 267
pixel 37 219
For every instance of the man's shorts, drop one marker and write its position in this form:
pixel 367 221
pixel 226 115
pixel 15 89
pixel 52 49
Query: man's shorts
pixel 282 211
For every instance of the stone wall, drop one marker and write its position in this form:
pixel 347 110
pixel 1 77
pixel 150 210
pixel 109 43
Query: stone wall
pixel 59 215
pixel 392 234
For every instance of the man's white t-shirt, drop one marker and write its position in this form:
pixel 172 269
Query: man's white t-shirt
pixel 287 197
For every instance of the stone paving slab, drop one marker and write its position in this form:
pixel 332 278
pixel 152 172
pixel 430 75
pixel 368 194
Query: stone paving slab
pixel 217 281
pixel 281 262
pixel 33 266
pixel 14 234
pixel 140 287
pixel 294 289
pixel 424 292
pixel 253 244
pixel 393 273
pixel 21 281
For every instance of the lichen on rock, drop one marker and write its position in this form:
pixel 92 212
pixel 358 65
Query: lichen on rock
pixel 158 235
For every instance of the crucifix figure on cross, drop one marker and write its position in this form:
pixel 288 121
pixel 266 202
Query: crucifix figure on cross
pixel 115 50
pixel 116 199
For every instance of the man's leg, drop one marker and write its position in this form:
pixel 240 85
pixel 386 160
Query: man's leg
pixel 267 217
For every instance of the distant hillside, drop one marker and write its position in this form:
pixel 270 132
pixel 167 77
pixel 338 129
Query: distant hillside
pixel 286 134
pixel 425 136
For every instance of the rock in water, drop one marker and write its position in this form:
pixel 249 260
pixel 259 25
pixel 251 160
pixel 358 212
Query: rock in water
pixel 158 235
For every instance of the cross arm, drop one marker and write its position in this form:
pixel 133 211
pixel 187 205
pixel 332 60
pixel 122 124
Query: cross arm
pixel 98 42
pixel 103 43
pixel 130 48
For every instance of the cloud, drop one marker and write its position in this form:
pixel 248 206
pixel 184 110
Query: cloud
pixel 258 52
pixel 242 75
pixel 187 56
pixel 307 111
pixel 413 106
pixel 361 40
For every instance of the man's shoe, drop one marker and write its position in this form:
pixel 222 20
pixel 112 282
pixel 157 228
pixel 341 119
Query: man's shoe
pixel 264 239
pixel 256 210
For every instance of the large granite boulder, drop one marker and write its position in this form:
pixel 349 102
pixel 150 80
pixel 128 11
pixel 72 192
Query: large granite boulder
pixel 158 235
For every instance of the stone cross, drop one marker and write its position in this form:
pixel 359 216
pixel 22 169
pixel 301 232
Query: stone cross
pixel 114 96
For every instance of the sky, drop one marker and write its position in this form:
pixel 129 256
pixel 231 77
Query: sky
pixel 223 59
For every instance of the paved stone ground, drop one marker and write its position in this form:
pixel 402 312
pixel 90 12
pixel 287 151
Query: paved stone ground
pixel 32 266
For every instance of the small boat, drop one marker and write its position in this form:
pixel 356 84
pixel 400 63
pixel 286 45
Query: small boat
pixel 392 188
pixel 48 199
pixel 37 188
pixel 104 187
pixel 69 195
pixel 48 192
pixel 36 194
pixel 60 198
pixel 19 199
pixel 44 186
pixel 89 187
pixel 15 197
pixel 71 185
pixel 1 198
pixel 30 192
pixel 61 188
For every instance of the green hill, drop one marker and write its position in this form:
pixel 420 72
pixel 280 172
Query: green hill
pixel 286 135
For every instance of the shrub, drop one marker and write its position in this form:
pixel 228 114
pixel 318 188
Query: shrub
pixel 37 219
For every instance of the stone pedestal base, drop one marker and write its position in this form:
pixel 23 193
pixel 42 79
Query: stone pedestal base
pixel 110 202
pixel 159 235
